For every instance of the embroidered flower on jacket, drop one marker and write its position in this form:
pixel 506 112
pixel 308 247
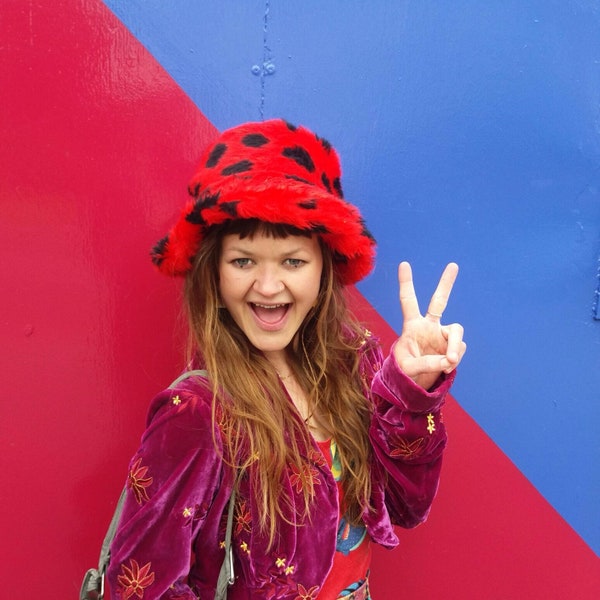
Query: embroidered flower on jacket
pixel 317 458
pixel 243 518
pixel 138 482
pixel 304 594
pixel 400 447
pixel 305 473
pixel 134 580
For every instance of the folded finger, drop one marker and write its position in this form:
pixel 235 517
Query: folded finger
pixel 455 346
pixel 431 363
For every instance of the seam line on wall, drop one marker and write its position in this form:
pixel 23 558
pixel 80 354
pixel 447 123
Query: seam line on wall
pixel 266 58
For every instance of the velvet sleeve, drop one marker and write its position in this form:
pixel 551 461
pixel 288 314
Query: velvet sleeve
pixel 172 481
pixel 408 438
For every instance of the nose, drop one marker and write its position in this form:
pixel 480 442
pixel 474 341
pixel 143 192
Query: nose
pixel 268 281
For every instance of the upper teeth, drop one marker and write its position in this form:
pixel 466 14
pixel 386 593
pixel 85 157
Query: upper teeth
pixel 268 305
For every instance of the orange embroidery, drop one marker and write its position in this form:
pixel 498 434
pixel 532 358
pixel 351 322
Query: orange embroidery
pixel 138 482
pixel 317 458
pixel 407 449
pixel 306 473
pixel 134 580
pixel 243 518
pixel 304 594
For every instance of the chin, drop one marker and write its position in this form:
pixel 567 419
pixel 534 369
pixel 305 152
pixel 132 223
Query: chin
pixel 271 346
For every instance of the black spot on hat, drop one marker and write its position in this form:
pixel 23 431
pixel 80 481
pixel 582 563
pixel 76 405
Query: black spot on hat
pixel 290 126
pixel 210 200
pixel 194 191
pixel 337 186
pixel 300 156
pixel 338 257
pixel 215 156
pixel 158 251
pixel 318 228
pixel 300 179
pixel 195 215
pixel 326 182
pixel 230 208
pixel 324 143
pixel 239 167
pixel 308 204
pixel 366 232
pixel 255 140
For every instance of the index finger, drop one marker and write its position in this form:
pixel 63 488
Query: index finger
pixel 439 300
pixel 408 297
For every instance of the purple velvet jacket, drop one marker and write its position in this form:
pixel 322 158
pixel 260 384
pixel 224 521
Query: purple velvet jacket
pixel 169 541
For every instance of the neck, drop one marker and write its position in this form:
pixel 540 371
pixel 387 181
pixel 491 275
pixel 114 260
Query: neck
pixel 280 363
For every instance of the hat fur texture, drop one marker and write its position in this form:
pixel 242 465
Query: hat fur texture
pixel 275 172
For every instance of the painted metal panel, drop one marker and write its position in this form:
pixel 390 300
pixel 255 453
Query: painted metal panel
pixel 99 138
pixel 96 141
pixel 469 131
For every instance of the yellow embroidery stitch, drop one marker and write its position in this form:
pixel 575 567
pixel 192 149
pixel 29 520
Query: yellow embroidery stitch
pixel 430 423
pixel 280 562
pixel 176 400
pixel 187 512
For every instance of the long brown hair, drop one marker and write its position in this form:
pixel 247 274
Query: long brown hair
pixel 263 436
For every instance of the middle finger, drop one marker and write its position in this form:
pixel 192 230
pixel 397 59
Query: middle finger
pixel 439 300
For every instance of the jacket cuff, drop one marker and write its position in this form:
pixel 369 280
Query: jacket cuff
pixel 393 385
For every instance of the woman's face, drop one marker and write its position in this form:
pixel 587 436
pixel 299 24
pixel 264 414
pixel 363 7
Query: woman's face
pixel 269 285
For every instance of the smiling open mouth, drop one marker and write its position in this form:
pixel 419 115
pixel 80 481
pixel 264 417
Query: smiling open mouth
pixel 270 314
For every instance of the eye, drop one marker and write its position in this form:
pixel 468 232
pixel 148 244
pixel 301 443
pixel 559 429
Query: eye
pixel 294 263
pixel 242 263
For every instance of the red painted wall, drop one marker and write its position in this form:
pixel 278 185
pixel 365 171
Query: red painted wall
pixel 97 145
pixel 96 142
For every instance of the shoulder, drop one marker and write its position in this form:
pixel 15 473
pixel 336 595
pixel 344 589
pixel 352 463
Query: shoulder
pixel 183 410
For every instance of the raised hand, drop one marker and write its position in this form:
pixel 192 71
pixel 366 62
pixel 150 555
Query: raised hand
pixel 426 348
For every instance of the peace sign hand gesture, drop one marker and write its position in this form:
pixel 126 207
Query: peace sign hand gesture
pixel 426 348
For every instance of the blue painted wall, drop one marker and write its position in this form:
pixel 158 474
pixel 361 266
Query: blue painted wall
pixel 469 131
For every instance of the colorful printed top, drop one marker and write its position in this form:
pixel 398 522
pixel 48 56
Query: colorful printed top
pixel 353 545
pixel 169 541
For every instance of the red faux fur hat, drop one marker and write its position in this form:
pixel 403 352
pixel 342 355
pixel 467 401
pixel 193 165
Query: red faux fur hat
pixel 275 172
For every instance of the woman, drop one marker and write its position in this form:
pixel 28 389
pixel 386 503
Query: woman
pixel 326 444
